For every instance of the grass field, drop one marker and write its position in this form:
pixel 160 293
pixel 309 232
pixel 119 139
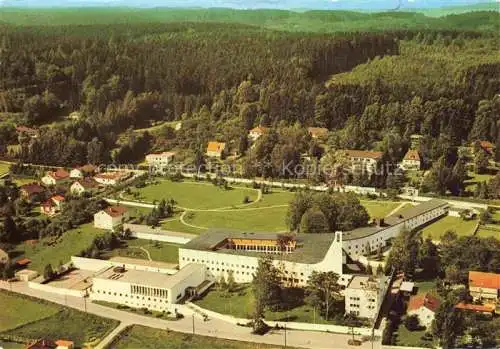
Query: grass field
pixel 195 195
pixel 144 337
pixel 4 167
pixel 487 233
pixel 24 180
pixel 29 318
pixel 159 251
pixel 11 345
pixel 241 304
pixel 379 209
pixel 408 338
pixel 458 225
pixel 470 184
pixel 70 243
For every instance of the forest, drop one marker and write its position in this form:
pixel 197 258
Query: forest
pixel 370 89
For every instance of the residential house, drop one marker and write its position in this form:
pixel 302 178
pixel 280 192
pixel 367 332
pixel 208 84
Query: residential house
pixel 110 217
pixel 318 132
pixel 55 177
pixel 42 344
pixel 425 307
pixel 362 160
pixel 4 257
pixel 64 344
pixel 487 147
pixel 486 309
pixel 52 206
pixel 32 192
pixel 216 149
pixel 84 185
pixel 160 159
pixel 82 171
pixel 364 295
pixel 112 178
pixel 411 160
pixel 484 286
pixel 257 132
pixel 28 131
pixel 26 275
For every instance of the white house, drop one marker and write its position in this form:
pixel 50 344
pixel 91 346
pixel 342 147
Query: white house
pixel 55 177
pixel 216 149
pixel 484 286
pixel 364 295
pixel 411 160
pixel 362 160
pixel 257 132
pixel 238 253
pixel 82 171
pixel 160 159
pixel 111 178
pixel 424 306
pixel 52 206
pixel 85 185
pixel 146 289
pixel 110 217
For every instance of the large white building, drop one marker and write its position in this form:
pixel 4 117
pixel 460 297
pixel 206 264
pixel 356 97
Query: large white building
pixel 364 295
pixel 238 253
pixel 364 240
pixel 110 217
pixel 146 289
pixel 363 161
pixel 160 159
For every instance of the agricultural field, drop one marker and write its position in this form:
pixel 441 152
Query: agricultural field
pixel 144 337
pixel 458 225
pixel 194 195
pixel 149 250
pixel 59 250
pixel 28 318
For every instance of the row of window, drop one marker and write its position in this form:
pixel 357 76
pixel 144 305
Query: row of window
pixel 126 296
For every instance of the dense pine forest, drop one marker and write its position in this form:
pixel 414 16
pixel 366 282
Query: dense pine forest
pixel 370 89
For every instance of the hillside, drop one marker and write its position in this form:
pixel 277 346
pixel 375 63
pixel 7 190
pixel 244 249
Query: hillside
pixel 309 21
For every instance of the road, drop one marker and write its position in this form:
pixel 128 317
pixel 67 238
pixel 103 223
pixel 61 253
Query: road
pixel 212 327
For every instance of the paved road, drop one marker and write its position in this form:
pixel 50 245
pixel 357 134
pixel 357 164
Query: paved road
pixel 212 327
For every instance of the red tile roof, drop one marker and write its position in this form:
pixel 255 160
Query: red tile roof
pixel 115 211
pixel 26 129
pixel 57 198
pixel 487 308
pixel 23 261
pixel 428 301
pixel 412 155
pixel 259 129
pixel 364 154
pixel 216 147
pixel 59 174
pixel 64 343
pixel 484 280
pixel 32 188
pixel 87 183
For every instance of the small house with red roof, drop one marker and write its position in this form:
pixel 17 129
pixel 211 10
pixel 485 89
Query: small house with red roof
pixel 52 206
pixel 411 160
pixel 55 177
pixel 257 132
pixel 425 307
pixel 32 191
pixel 84 185
pixel 216 149
pixel 486 309
pixel 111 217
pixel 82 171
pixel 484 286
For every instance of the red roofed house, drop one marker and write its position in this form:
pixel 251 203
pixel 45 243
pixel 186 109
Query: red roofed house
pixel 112 178
pixel 64 344
pixel 257 132
pixel 424 306
pixel 411 161
pixel 216 149
pixel 318 132
pixel 487 309
pixel 31 132
pixel 42 344
pixel 82 171
pixel 52 206
pixel 363 160
pixel 84 185
pixel 54 177
pixel 32 191
pixel 110 217
pixel 484 286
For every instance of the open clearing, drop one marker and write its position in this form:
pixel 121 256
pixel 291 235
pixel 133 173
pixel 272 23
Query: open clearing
pixel 136 337
pixel 458 225
pixel 48 251
pixel 195 195
pixel 28 318
pixel 156 250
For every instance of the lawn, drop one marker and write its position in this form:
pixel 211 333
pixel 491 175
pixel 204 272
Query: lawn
pixel 176 225
pixel 241 304
pixel 4 167
pixel 408 338
pixel 458 225
pixel 29 318
pixel 263 220
pixel 195 195
pixel 470 184
pixel 47 251
pixel 159 251
pixel 24 180
pixel 379 209
pixel 136 336
pixel 427 286
pixel 484 232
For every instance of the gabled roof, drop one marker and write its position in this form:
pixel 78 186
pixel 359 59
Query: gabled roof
pixel 216 147
pixel 26 129
pixel 64 343
pixel 115 211
pixel 32 188
pixel 487 308
pixel 87 183
pixel 364 154
pixel 87 168
pixel 58 198
pixel 59 174
pixel 259 129
pixel 23 261
pixel 412 155
pixel 165 154
pixel 428 301
pixel 484 280
pixel 486 144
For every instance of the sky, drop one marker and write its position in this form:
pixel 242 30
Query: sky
pixel 250 4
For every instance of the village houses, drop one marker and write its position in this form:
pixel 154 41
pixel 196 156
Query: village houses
pixel 216 149
pixel 55 177
pixel 110 217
